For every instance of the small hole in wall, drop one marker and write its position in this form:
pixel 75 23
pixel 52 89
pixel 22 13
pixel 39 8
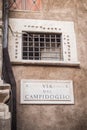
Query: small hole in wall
pixel 59 28
pixel 43 27
pixel 69 46
pixel 16 46
pixel 16 42
pixel 55 28
pixel 68 49
pixel 16 57
pixel 36 26
pixel 16 50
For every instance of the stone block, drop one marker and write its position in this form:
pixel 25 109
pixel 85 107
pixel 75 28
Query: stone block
pixel 0 30
pixel 5 117
pixel 0 14
pixel 4 92
pixel 5 124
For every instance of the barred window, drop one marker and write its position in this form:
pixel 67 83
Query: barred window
pixel 43 42
pixel 42 46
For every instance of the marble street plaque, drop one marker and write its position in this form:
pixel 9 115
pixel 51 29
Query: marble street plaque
pixel 47 92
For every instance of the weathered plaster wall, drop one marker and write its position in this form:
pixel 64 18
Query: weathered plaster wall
pixel 57 117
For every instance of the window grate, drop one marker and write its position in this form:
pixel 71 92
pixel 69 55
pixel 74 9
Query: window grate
pixel 41 46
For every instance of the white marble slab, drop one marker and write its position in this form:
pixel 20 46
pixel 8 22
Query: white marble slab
pixel 47 92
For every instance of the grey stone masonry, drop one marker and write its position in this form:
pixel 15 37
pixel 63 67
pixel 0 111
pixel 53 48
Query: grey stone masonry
pixel 4 92
pixel 5 115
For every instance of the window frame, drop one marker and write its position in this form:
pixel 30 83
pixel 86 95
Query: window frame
pixel 66 28
pixel 23 7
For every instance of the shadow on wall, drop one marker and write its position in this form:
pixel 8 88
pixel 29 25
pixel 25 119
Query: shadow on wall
pixel 81 124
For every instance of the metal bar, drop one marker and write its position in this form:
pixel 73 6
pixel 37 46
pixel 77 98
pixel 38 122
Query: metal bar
pixel 61 47
pixel 33 48
pixel 39 47
pixel 45 42
pixel 56 45
pixel 27 46
pixel 50 43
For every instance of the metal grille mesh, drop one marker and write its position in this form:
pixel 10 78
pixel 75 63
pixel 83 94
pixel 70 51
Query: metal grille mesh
pixel 41 46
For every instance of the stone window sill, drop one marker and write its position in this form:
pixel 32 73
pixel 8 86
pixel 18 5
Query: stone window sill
pixel 47 63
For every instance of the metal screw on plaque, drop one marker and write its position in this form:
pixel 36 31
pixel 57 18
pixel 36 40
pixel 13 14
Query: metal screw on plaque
pixel 26 85
pixel 66 86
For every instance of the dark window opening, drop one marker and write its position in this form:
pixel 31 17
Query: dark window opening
pixel 42 46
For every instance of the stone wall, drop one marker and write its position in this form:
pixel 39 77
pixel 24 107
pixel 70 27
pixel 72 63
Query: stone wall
pixel 5 115
pixel 57 117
